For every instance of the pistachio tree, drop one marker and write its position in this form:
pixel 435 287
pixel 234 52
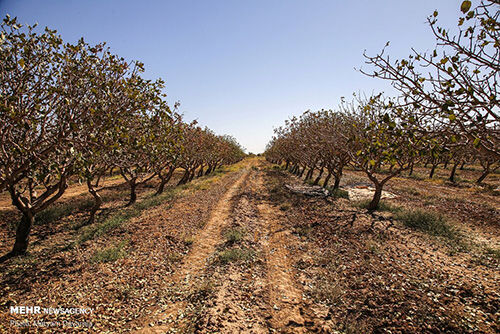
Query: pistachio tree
pixel 138 142
pixel 457 80
pixel 168 130
pixel 106 99
pixel 384 141
pixel 41 87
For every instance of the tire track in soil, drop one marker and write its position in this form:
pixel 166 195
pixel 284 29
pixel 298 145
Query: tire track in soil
pixel 239 304
pixel 262 297
pixel 289 310
pixel 195 262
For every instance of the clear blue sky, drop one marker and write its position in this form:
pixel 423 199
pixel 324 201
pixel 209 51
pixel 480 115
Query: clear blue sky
pixel 243 67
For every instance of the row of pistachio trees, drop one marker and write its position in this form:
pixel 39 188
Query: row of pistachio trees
pixel 367 133
pixel 447 111
pixel 75 111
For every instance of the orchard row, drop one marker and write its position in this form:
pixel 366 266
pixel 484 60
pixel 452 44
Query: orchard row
pixel 75 111
pixel 447 112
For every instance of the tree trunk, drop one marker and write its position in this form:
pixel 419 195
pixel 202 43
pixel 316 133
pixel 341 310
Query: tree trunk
pixel 376 198
pixel 302 172
pixel 453 172
pixel 200 172
pixel 209 170
pixel 338 177
pixel 28 214
pixel 462 166
pixel 22 234
pixel 287 164
pixel 336 185
pixel 433 169
pixel 184 178
pixel 309 174
pixel 133 194
pixel 316 181
pixel 161 187
pixel 164 180
pixel 483 176
pixel 170 173
pixel 411 169
pixel 97 202
pixel 325 183
pixel 191 175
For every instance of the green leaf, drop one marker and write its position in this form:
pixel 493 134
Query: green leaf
pixel 21 63
pixel 372 162
pixel 476 142
pixel 465 6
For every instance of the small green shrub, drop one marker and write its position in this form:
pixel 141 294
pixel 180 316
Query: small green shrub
pixel 235 255
pixel 173 257
pixel 188 241
pixel 233 235
pixel 426 221
pixel 110 254
pixel 109 224
pixel 492 252
pixel 372 246
pixel 339 193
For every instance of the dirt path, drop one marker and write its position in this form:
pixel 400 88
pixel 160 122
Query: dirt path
pixel 250 296
pixel 194 263
pixel 239 303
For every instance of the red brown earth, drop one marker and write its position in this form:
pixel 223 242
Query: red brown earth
pixel 239 253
